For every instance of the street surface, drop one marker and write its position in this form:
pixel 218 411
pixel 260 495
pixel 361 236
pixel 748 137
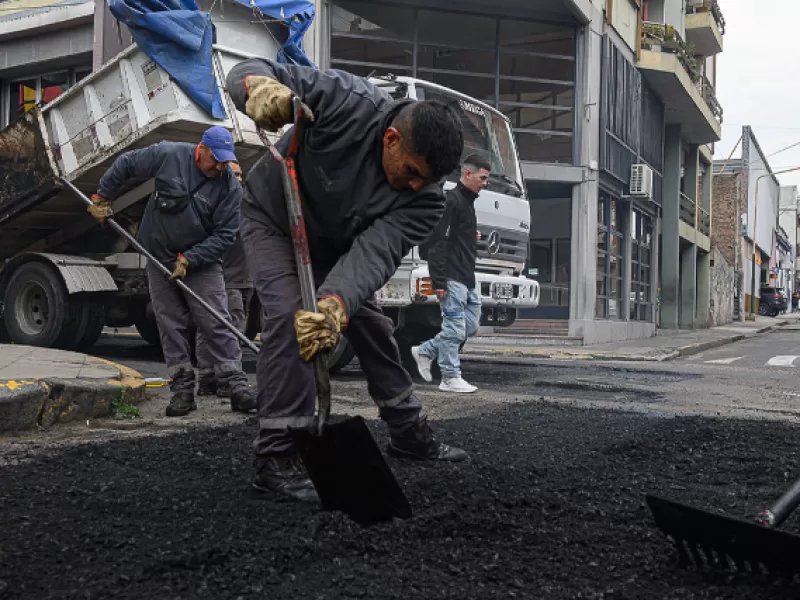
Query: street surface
pixel 550 505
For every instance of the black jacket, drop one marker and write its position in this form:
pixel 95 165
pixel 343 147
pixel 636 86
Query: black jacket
pixel 205 228
pixel 453 246
pixel 359 227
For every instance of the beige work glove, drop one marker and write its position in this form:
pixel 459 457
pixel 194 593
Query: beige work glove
pixel 320 331
pixel 269 103
pixel 100 208
pixel 179 272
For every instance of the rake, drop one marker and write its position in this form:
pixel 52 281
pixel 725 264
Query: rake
pixel 716 542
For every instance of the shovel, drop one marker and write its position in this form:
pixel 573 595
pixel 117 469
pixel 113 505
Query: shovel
pixel 348 470
pixel 185 288
pixel 718 542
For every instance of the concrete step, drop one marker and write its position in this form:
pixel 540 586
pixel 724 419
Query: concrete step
pixel 544 327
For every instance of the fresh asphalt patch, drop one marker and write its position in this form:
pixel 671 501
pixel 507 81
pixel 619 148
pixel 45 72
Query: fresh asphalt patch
pixel 550 505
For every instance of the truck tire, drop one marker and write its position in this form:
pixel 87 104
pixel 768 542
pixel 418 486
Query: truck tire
pixel 145 322
pixel 93 318
pixel 38 311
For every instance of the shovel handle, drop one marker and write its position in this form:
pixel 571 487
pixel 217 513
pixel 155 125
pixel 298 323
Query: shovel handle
pixel 782 508
pixel 181 285
pixel 302 254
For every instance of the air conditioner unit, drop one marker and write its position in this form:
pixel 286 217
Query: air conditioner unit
pixel 642 181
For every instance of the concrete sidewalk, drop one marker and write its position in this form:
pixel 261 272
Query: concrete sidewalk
pixel 42 386
pixel 665 346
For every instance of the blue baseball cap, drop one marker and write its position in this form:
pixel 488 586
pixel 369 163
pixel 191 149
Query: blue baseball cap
pixel 220 141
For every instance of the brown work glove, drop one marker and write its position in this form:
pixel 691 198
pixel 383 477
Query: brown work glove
pixel 100 208
pixel 179 272
pixel 269 103
pixel 320 331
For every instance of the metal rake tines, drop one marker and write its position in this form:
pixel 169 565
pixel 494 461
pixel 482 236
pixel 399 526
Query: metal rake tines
pixel 716 542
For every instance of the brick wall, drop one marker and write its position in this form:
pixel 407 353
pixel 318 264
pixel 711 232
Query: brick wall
pixel 725 216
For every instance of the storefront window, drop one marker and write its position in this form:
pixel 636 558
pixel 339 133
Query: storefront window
pixel 22 98
pixel 523 68
pixel 641 266
pixel 365 39
pixel 24 94
pixel 610 259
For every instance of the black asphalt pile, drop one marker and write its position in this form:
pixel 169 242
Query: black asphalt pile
pixel 550 506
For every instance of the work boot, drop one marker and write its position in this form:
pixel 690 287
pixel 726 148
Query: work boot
pixel 243 399
pixel 417 442
pixel 285 475
pixel 207 384
pixel 181 404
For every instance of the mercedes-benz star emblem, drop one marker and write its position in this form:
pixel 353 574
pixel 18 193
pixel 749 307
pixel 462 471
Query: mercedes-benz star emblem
pixel 493 245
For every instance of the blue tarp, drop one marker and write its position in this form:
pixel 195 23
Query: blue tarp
pixel 178 36
pixel 297 15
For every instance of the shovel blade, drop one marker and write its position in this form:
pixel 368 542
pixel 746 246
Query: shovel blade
pixel 350 473
pixel 715 541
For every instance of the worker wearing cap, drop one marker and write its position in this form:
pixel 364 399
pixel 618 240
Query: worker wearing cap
pixel 238 286
pixel 190 222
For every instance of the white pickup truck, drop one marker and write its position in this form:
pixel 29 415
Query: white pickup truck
pixel 64 278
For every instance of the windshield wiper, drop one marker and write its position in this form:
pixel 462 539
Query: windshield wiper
pixel 507 179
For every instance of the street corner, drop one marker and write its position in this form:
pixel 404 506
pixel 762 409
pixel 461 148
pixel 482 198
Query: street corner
pixel 114 389
pixel 21 402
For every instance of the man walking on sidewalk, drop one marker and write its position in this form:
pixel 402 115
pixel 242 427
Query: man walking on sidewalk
pixel 451 264
pixel 367 170
pixel 189 223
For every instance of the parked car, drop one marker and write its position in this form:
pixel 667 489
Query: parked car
pixel 773 301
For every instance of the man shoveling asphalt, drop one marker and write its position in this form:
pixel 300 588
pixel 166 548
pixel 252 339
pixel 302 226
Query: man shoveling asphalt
pixel 189 223
pixel 367 169
pixel 451 260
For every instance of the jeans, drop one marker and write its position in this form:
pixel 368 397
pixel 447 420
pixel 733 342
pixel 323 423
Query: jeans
pixel 461 316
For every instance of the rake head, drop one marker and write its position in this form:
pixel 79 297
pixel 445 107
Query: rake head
pixel 715 542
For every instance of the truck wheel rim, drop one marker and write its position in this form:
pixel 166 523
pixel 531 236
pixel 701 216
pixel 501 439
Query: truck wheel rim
pixel 32 309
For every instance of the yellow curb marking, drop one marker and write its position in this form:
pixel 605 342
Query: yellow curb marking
pixel 12 384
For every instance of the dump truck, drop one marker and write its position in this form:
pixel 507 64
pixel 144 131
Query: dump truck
pixel 64 278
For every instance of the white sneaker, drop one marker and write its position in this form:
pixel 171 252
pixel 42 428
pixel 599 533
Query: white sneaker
pixel 456 385
pixel 423 364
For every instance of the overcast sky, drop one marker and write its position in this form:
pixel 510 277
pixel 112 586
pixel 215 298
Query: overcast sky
pixel 758 80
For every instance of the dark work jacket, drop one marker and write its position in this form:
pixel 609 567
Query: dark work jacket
pixel 359 227
pixel 453 245
pixel 205 229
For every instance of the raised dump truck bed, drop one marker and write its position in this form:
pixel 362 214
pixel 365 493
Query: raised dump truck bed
pixel 53 253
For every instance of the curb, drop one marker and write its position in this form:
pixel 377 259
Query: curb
pixel 513 355
pixel 31 403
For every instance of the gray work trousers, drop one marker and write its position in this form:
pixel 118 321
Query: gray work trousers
pixel 235 304
pixel 286 391
pixel 176 313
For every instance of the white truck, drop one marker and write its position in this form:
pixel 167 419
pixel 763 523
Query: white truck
pixel 64 278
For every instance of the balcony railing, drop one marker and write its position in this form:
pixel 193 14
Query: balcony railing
pixel 665 38
pixel 688 212
pixel 712 6
pixel 705 221
pixel 706 90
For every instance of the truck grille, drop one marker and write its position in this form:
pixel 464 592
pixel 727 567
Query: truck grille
pixel 502 244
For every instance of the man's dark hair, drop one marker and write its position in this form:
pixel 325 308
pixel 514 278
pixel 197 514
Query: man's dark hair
pixel 434 132
pixel 478 161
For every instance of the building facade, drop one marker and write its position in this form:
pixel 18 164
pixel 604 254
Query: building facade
pixel 745 221
pixel 592 87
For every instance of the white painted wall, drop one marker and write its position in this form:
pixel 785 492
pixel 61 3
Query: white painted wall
pixel 768 195
pixel 624 18
pixel 675 15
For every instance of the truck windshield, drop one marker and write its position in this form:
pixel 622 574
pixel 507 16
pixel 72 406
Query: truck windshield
pixel 486 133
